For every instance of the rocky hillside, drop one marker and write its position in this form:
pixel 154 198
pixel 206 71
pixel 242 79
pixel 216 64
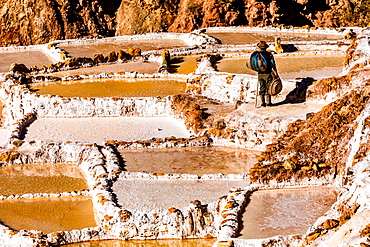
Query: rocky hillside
pixel 35 22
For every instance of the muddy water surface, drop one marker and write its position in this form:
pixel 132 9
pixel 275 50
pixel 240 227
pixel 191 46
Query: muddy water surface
pixel 199 161
pixel 48 214
pixel 284 212
pixel 112 88
pixel 29 58
pixel 105 47
pixel 40 178
pixel 240 38
pixel 183 65
pixel 147 243
pixel 291 67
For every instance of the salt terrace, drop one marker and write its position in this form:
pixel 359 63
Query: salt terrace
pixel 151 165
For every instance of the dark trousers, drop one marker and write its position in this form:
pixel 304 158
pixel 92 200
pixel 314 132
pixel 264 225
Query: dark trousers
pixel 264 81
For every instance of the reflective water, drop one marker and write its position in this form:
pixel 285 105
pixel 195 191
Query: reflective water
pixel 241 38
pixel 48 214
pixel 105 47
pixel 285 211
pixel 40 178
pixel 29 58
pixel 183 65
pixel 147 243
pixel 199 161
pixel 291 67
pixel 112 88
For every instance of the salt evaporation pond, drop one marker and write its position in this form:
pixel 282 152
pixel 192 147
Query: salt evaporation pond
pixel 102 129
pixel 183 64
pixel 27 57
pixel 48 214
pixel 147 243
pixel 89 49
pixel 291 67
pixel 285 211
pixel 40 178
pixel 199 160
pixel 112 88
pixel 242 38
pixel 151 194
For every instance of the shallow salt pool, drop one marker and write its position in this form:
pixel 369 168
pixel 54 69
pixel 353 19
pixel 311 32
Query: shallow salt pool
pixel 48 214
pixel 27 57
pixel 284 212
pixel 183 64
pixel 199 161
pixel 291 67
pixel 147 243
pixel 241 38
pixel 152 194
pixel 102 129
pixel 105 47
pixel 112 88
pixel 40 178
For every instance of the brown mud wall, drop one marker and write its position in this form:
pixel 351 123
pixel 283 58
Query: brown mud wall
pixel 40 21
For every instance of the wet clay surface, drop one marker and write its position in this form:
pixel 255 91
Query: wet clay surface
pixel 199 161
pixel 291 67
pixel 147 243
pixel 112 88
pixel 40 178
pixel 241 38
pixel 29 58
pixel 48 214
pixel 140 67
pixel 104 47
pixel 285 211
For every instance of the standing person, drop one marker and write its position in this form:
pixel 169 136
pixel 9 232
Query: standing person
pixel 266 77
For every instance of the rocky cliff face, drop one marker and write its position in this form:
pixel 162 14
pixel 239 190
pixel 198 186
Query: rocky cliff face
pixel 35 22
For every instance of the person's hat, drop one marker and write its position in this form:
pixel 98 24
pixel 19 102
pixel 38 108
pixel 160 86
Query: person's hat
pixel 262 45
